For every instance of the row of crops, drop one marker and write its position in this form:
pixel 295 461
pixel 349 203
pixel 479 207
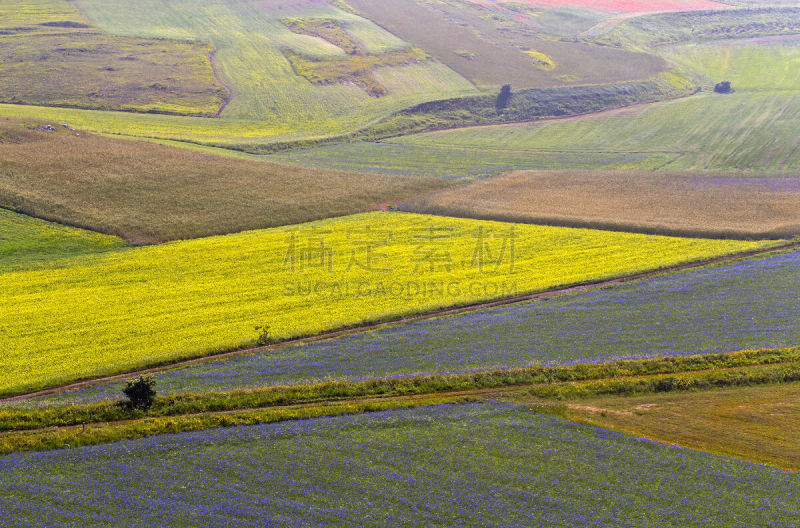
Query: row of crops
pixel 474 465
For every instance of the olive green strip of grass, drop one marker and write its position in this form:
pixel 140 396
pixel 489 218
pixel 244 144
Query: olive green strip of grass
pixel 103 433
pixel 147 193
pixel 30 429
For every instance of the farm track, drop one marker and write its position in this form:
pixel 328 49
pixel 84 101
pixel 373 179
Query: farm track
pixel 222 83
pixel 547 294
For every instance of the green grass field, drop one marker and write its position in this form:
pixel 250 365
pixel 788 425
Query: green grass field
pixel 751 130
pixel 26 242
pixel 710 132
pixel 140 306
pixel 248 37
pixel 454 163
pixel 146 192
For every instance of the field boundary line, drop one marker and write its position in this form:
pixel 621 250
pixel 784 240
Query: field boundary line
pixel 442 312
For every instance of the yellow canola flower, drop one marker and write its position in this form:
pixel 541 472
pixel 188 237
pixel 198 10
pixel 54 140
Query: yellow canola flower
pixel 124 309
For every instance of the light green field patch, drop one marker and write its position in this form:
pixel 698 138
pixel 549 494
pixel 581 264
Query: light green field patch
pixel 269 99
pixel 770 66
pixel 754 129
pixel 456 163
pixel 136 307
pixel 26 242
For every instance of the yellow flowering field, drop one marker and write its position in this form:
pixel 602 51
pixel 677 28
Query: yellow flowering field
pixel 134 307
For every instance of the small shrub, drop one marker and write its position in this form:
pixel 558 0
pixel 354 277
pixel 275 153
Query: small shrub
pixel 140 393
pixel 666 385
pixel 264 337
pixel 723 88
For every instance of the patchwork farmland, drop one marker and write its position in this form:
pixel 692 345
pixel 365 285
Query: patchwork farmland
pixel 748 304
pixel 399 263
pixel 146 192
pixel 277 278
pixel 751 130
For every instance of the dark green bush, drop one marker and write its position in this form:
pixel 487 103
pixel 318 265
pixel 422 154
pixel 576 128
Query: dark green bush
pixel 140 393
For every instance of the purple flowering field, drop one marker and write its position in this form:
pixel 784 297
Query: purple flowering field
pixel 747 304
pixel 457 465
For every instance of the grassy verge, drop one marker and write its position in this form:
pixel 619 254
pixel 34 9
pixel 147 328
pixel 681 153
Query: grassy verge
pixel 101 433
pixel 567 382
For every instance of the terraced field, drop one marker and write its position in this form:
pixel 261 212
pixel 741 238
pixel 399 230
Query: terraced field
pixel 474 465
pixel 749 304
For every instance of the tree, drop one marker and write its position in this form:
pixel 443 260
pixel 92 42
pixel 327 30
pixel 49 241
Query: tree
pixel 140 393
pixel 503 97
pixel 724 87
